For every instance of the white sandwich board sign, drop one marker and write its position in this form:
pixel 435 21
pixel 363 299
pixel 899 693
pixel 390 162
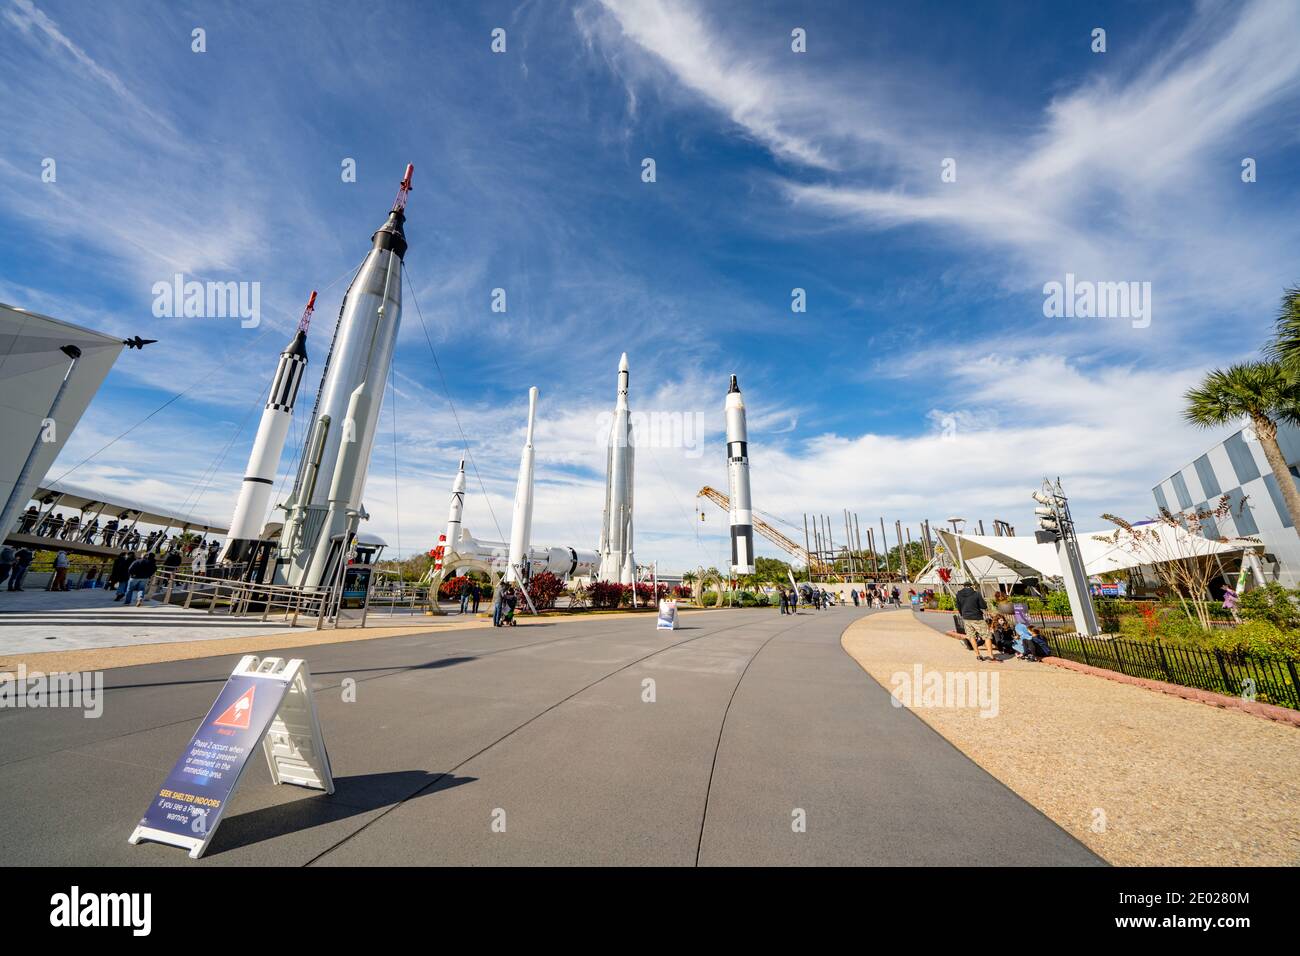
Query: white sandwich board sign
pixel 667 616
pixel 268 702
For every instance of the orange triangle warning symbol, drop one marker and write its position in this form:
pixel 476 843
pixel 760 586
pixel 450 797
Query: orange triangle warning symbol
pixel 239 713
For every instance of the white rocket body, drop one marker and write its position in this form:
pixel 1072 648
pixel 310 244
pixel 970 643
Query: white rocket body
pixel 455 511
pixel 742 515
pixel 521 524
pixel 616 560
pixel 330 483
pixel 460 546
pixel 268 446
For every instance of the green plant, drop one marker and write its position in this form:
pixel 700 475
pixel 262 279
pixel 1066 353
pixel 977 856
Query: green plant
pixel 1058 602
pixel 946 602
pixel 1271 603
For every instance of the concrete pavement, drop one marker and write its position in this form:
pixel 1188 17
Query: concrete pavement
pixel 540 745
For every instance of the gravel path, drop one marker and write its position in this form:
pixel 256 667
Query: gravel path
pixel 1141 778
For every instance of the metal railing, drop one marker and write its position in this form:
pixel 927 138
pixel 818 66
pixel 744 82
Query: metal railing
pixel 239 598
pixel 394 597
pixel 1270 680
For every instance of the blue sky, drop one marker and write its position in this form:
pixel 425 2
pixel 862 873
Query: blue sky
pixel 922 381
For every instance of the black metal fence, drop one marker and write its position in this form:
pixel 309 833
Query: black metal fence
pixel 1270 680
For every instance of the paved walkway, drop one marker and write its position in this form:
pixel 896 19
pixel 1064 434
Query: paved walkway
pixel 1142 778
pixel 758 722
pixel 40 621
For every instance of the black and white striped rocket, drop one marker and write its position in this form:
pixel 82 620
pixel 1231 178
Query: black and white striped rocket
pixel 742 515
pixel 259 476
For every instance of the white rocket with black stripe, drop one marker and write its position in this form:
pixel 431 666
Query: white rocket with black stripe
pixel 259 476
pixel 742 514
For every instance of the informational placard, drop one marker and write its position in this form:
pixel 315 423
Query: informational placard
pixel 667 616
pixel 267 702
pixel 1021 612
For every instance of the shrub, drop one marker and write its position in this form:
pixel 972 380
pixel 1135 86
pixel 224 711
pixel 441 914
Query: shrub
pixel 1058 603
pixel 946 602
pixel 709 598
pixel 1272 603
pixel 605 594
pixel 1267 639
pixel 646 596
pixel 544 588
pixel 682 591
pixel 450 588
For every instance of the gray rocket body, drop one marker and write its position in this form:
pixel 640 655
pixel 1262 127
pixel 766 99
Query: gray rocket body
pixel 742 514
pixel 332 477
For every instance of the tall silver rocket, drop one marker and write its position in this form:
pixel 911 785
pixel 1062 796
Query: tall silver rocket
pixel 264 461
pixel 521 524
pixel 616 560
pixel 742 514
pixel 326 502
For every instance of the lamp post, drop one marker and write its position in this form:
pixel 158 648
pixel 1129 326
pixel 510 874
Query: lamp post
pixel 1056 526
pixel 956 531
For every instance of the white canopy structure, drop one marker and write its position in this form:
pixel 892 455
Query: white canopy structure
pixel 68 498
pixel 1005 559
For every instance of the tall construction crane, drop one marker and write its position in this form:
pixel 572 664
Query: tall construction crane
pixel 767 531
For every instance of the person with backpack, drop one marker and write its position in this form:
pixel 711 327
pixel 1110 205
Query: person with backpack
pixel 1029 644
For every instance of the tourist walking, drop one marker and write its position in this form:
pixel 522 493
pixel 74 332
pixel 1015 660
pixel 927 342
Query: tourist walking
pixel 7 557
pixel 117 575
pixel 474 595
pixel 141 570
pixel 972 607
pixel 464 596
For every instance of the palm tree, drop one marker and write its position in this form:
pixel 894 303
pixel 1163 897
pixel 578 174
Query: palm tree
pixel 1262 392
pixel 1286 346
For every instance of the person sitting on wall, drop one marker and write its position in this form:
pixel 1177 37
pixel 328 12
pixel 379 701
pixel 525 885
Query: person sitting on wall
pixel 1003 635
